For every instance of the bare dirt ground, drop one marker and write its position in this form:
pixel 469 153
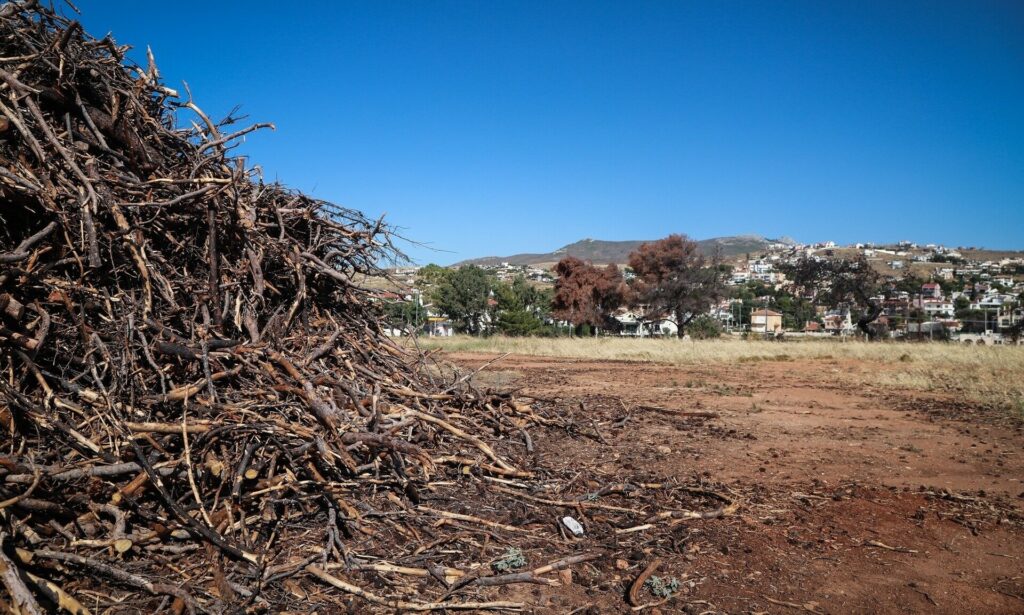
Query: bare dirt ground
pixel 854 498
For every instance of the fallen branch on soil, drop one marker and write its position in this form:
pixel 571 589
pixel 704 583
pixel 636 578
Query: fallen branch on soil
pixel 410 606
pixel 810 607
pixel 640 580
pixel 913 585
pixel 882 545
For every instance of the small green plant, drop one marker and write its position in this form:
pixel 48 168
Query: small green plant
pixel 662 587
pixel 511 560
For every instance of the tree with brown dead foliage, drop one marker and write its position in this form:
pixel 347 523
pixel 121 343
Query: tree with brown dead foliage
pixel 585 294
pixel 673 277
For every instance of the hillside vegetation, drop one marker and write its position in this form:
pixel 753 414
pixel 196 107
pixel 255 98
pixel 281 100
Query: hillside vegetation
pixel 603 252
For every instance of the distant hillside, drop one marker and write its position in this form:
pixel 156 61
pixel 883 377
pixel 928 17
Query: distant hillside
pixel 602 252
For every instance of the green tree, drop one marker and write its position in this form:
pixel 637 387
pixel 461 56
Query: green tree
pixel 431 275
pixel 520 307
pixel 521 295
pixel 950 286
pixel 974 320
pixel 796 311
pixel 704 327
pixel 518 323
pixel 401 314
pixel 910 284
pixel 842 282
pixel 1015 331
pixel 462 296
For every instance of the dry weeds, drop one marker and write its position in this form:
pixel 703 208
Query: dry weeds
pixel 988 375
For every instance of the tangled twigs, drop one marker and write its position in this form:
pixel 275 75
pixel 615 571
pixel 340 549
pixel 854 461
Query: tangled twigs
pixel 185 357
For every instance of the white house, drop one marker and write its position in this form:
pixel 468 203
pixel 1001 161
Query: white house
pixel 439 326
pixel 936 307
pixel 838 322
pixel 634 323
pixel 740 276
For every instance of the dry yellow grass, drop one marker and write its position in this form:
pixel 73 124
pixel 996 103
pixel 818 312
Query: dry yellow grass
pixel 731 349
pixel 991 375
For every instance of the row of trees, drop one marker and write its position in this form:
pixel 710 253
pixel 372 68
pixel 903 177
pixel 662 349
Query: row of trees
pixel 472 298
pixel 671 280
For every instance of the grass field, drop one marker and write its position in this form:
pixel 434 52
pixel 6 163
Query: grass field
pixel 990 375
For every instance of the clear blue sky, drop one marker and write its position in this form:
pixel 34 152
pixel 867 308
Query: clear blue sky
pixel 496 127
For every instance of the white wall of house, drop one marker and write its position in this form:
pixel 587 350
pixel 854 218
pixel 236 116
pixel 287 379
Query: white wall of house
pixel 635 325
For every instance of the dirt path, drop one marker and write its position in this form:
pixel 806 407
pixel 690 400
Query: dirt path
pixel 857 498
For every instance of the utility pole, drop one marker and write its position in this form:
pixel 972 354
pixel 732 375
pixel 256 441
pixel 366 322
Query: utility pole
pixel 766 315
pixel 906 322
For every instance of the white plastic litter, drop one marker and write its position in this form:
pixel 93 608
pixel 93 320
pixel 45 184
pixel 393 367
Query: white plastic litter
pixel 573 525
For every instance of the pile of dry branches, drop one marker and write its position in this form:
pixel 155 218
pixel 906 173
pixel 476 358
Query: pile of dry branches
pixel 198 407
pixel 186 366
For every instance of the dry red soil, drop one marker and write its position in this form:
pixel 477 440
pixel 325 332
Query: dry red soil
pixel 854 498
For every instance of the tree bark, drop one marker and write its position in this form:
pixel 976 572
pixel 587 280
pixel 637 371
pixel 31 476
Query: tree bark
pixel 874 311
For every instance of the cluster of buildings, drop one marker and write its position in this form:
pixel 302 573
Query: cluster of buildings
pixel 506 272
pixel 990 292
pixel 761 270
pixel 981 309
